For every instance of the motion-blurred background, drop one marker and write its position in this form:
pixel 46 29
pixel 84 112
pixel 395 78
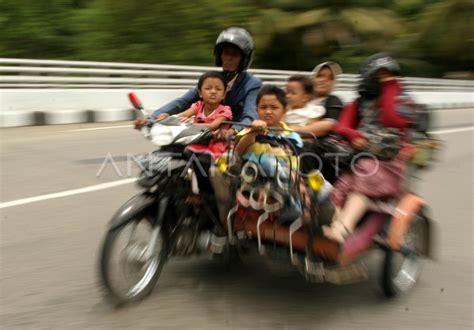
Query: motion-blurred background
pixel 431 38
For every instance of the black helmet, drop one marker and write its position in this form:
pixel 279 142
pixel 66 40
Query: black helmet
pixel 379 61
pixel 239 38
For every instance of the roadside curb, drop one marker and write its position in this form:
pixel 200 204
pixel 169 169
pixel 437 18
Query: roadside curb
pixel 36 118
pixel 108 115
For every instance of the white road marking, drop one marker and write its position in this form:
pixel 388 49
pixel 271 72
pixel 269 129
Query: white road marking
pixel 66 193
pixel 98 128
pixel 452 109
pixel 453 130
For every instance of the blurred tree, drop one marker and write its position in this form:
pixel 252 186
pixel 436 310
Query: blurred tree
pixel 446 37
pixel 157 31
pixel 39 29
pixel 346 31
pixel 429 37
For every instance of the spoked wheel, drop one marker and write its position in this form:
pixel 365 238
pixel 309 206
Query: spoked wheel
pixel 133 256
pixel 401 269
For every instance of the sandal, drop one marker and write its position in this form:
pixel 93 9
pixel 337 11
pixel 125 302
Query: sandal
pixel 337 231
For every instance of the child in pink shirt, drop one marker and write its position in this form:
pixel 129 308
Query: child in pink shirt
pixel 208 111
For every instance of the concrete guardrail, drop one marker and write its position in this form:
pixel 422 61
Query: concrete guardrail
pixel 35 92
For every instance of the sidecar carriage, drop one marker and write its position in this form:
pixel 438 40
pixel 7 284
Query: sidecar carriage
pixel 268 214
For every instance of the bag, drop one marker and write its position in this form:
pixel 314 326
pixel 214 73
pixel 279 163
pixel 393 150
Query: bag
pixel 383 142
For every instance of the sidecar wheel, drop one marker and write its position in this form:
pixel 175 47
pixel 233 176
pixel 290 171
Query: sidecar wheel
pixel 129 271
pixel 401 270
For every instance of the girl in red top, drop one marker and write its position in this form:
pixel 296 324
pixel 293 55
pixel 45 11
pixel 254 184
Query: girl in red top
pixel 208 111
pixel 369 179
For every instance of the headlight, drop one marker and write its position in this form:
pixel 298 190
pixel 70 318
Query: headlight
pixel 161 135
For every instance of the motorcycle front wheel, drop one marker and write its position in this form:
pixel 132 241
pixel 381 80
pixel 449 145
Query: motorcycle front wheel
pixel 133 256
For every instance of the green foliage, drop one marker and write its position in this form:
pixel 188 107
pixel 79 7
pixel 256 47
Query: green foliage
pixel 37 29
pixel 447 33
pixel 156 31
pixel 429 37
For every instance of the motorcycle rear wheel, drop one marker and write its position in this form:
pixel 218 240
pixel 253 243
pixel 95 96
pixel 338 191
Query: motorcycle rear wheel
pixel 139 263
pixel 401 271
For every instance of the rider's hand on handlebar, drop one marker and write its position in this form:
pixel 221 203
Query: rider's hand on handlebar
pixel 140 122
pixel 359 143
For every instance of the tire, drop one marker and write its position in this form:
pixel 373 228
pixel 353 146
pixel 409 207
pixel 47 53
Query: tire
pixel 131 257
pixel 401 271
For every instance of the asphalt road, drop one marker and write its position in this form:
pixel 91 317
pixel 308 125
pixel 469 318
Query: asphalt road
pixel 49 251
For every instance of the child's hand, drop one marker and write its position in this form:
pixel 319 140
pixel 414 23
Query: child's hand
pixel 229 132
pixel 224 134
pixel 259 125
pixel 219 134
pixel 162 116
pixel 183 118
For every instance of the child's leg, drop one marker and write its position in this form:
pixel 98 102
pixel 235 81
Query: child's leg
pixel 354 208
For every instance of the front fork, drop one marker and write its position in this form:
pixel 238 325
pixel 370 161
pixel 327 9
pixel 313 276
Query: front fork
pixel 157 224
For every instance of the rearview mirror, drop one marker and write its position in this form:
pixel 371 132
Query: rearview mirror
pixel 137 104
